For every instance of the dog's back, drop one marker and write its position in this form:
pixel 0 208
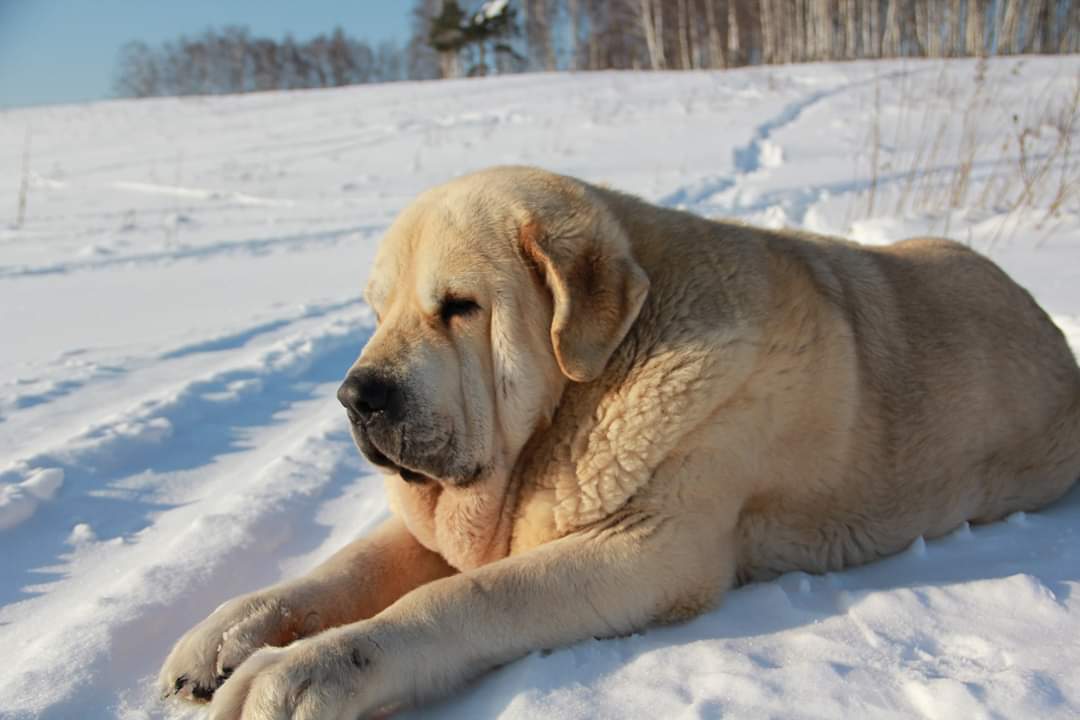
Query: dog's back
pixel 963 398
pixel 996 387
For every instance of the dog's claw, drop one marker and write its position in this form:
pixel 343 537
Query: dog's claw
pixel 184 687
pixel 178 685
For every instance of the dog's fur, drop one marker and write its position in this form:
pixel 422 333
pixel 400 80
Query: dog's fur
pixel 645 408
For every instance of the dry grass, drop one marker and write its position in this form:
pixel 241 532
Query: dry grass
pixel 24 183
pixel 956 161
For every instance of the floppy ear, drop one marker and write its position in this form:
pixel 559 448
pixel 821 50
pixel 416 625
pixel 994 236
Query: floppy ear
pixel 597 286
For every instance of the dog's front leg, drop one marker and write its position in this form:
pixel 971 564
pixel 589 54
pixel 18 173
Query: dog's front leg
pixel 357 582
pixel 595 584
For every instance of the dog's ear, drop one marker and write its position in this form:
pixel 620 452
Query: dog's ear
pixel 597 286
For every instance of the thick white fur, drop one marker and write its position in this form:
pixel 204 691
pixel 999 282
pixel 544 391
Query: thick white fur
pixel 659 406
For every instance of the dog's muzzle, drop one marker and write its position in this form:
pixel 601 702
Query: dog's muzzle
pixel 372 401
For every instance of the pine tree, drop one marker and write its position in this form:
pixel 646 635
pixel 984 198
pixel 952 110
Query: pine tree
pixel 448 36
pixel 452 32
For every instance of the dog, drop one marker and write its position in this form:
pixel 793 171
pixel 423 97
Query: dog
pixel 595 414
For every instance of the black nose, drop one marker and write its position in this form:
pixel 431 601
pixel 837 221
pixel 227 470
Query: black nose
pixel 365 393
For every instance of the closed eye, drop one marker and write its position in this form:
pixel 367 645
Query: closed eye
pixel 456 307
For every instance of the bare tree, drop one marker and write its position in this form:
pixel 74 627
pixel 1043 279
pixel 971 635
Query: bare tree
pixel 685 39
pixel 138 71
pixel 388 63
pixel 574 22
pixel 975 35
pixel 1070 34
pixel 421 60
pixel 540 16
pixel 851 28
pixel 651 14
pixel 228 59
pixel 1041 27
pixel 954 45
pixel 266 64
pixel 339 59
pixel 716 17
pixel 24 182
pixel 1009 40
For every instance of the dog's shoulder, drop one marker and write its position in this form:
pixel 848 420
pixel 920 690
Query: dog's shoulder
pixel 692 343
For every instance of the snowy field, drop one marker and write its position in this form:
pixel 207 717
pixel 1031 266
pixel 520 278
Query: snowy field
pixel 183 298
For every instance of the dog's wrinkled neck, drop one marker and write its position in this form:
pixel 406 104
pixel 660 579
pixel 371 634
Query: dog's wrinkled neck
pixel 470 524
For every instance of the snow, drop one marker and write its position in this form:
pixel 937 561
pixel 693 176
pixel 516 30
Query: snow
pixel 18 502
pixel 185 296
pixel 491 9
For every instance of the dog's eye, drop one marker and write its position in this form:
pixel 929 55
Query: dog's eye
pixel 453 307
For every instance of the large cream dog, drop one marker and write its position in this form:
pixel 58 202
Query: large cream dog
pixel 597 414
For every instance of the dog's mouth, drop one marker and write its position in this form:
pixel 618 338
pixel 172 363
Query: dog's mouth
pixel 411 476
pixel 378 458
pixel 374 455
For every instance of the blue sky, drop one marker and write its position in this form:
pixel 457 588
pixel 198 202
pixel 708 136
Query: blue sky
pixel 58 51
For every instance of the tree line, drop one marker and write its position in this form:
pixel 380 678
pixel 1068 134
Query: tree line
pixel 690 34
pixel 232 60
pixel 449 38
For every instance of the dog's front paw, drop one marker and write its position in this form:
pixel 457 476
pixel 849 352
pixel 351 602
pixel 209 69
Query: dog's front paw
pixel 333 675
pixel 207 655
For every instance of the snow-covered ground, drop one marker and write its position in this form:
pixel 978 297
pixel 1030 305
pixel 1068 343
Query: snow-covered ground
pixel 183 298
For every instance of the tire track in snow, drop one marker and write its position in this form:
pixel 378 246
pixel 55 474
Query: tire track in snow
pixel 113 631
pixel 798 201
pixel 118 475
pixel 233 340
pixel 749 159
pixel 251 246
pixel 42 390
pixel 113 469
pixel 186 557
pixel 191 193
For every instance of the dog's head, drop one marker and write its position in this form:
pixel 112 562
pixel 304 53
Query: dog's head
pixel 491 293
